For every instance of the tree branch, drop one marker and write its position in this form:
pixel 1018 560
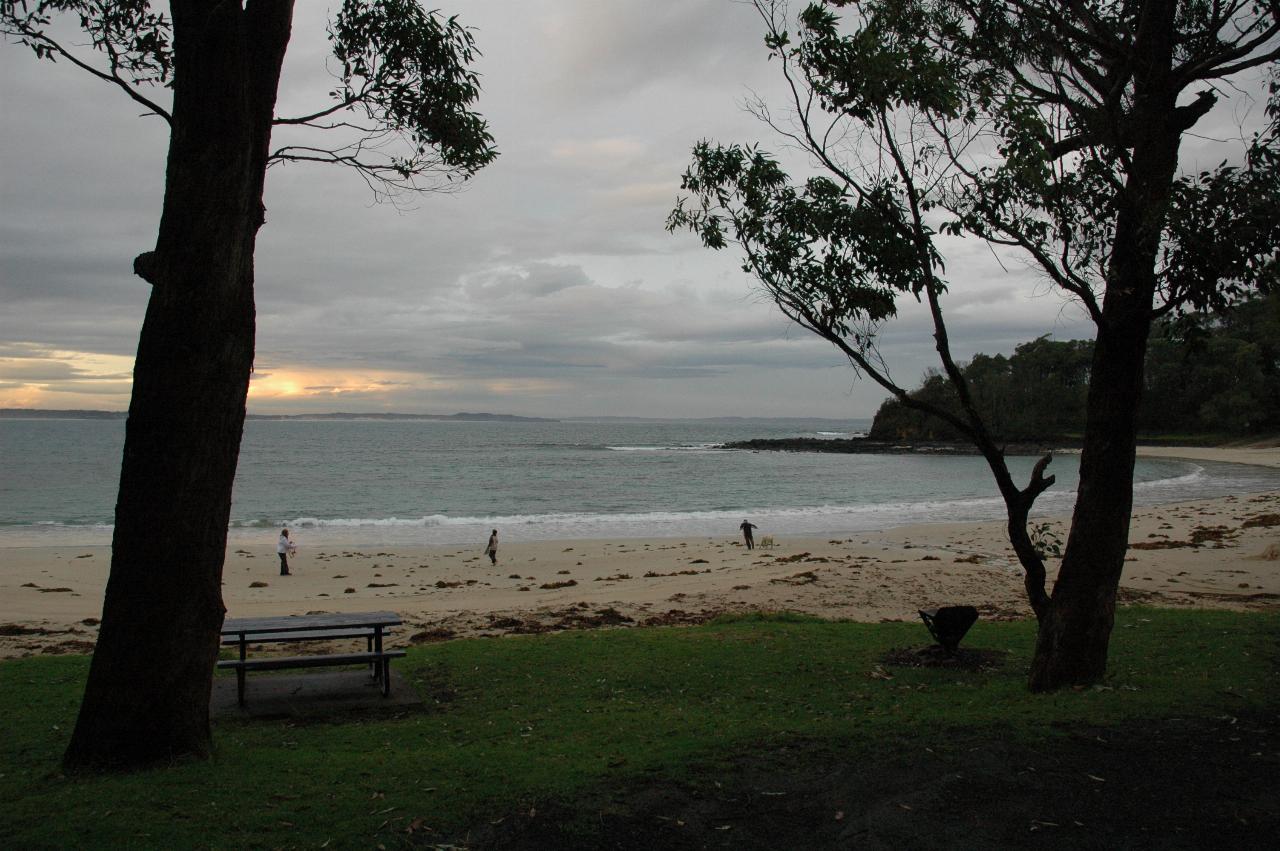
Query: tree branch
pixel 1017 502
pixel 1228 62
pixel 52 46
pixel 345 103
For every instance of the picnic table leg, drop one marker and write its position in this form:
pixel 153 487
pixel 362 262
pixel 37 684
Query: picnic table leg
pixel 377 648
pixel 386 676
pixel 240 674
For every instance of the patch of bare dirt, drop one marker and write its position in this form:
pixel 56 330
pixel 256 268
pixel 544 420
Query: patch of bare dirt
pixel 933 656
pixel 428 636
pixel 679 617
pixel 996 612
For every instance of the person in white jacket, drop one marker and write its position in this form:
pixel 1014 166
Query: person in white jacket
pixel 284 549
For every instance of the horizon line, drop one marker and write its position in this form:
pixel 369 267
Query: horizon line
pixel 22 413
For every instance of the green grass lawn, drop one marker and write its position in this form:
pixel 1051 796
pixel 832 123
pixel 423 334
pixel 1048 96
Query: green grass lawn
pixel 510 723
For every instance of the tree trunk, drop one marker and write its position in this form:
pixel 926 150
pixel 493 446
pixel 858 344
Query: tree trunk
pixel 147 697
pixel 1075 628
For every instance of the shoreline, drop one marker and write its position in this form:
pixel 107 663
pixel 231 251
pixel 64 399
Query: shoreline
pixel 1257 455
pixel 982 505
pixel 1213 552
pixel 1222 552
pixel 1261 453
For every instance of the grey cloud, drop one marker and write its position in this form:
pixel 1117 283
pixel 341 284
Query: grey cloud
pixel 547 327
pixel 40 370
pixel 20 349
pixel 109 328
pixel 40 263
pixel 43 371
pixel 93 388
pixel 534 281
pixel 614 48
pixel 552 266
pixel 680 373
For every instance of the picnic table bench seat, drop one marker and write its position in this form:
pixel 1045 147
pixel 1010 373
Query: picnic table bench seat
pixel 382 661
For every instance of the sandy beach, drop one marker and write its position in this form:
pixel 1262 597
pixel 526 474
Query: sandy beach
pixel 1211 553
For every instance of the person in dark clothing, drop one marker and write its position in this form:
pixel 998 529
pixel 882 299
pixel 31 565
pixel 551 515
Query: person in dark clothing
pixel 491 549
pixel 746 534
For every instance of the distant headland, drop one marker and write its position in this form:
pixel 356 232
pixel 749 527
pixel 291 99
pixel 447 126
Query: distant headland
pixel 869 446
pixel 49 414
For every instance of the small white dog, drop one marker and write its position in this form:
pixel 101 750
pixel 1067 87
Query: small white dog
pixel 766 543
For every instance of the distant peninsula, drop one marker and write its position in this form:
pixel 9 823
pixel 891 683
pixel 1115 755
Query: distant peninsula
pixel 860 445
pixel 47 414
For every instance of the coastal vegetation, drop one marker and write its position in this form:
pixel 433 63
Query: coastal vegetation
pixel 399 114
pixel 759 731
pixel 1052 133
pixel 1217 377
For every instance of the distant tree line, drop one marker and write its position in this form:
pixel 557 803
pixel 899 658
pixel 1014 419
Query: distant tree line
pixel 1219 376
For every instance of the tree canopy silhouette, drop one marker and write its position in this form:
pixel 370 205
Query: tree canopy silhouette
pixel 1045 127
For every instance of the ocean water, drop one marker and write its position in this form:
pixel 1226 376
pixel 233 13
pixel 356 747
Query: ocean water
pixel 363 482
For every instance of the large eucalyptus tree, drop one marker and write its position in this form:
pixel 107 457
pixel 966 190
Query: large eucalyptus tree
pixel 1047 127
pixel 400 114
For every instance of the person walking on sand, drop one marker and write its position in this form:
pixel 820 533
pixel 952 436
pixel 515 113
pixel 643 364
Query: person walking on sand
pixel 284 549
pixel 746 534
pixel 491 549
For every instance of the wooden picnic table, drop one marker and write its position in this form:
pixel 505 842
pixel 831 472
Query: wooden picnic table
pixel 371 626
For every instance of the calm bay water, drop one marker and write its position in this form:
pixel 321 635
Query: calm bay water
pixel 443 482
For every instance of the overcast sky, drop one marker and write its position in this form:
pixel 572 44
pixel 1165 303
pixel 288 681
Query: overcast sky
pixel 548 287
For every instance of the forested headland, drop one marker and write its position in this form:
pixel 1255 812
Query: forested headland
pixel 1211 378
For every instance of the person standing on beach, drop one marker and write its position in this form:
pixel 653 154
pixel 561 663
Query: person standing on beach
pixel 746 528
pixel 491 549
pixel 284 549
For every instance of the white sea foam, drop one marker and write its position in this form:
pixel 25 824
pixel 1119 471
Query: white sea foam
pixel 1179 481
pixel 695 447
pixel 1194 476
pixel 820 519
